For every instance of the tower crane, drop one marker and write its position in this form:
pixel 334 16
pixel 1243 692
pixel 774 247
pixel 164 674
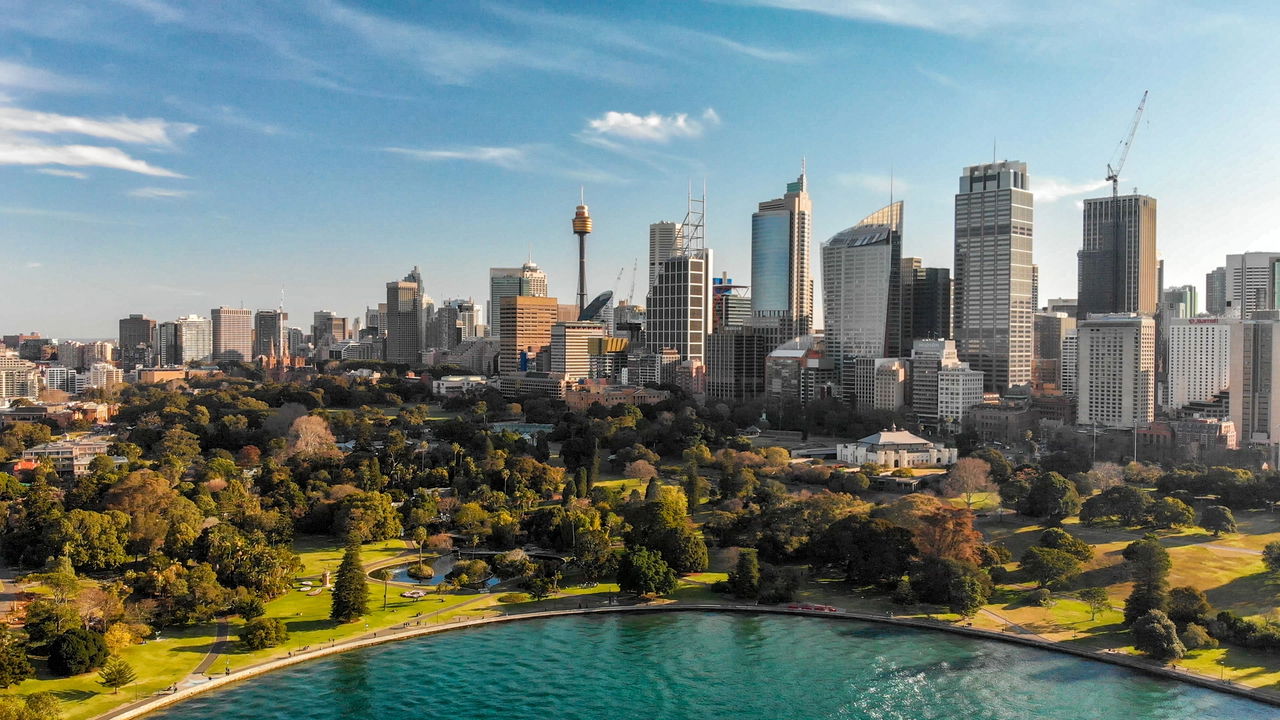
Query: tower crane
pixel 1119 249
pixel 635 265
pixel 1113 175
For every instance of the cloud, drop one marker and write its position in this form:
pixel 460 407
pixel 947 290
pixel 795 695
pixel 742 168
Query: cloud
pixel 939 78
pixel 505 157
pixel 1048 190
pixel 652 127
pixel 872 182
pixel 148 131
pixel 63 173
pixel 226 115
pixel 759 53
pixel 155 193
pixel 12 153
pixel 24 77
pixel 944 16
pixel 33 265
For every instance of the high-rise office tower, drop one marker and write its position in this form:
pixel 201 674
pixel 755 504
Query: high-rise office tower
pixel 781 280
pixel 1180 302
pixel 1117 260
pixel 444 333
pixel 1251 282
pixel 1116 370
pixel 269 339
pixel 137 341
pixel 926 302
pixel 730 305
pixel 526 280
pixel 168 349
pixel 1069 367
pixel 862 288
pixel 375 321
pixel 1215 291
pixel 942 388
pixel 1255 381
pixel 232 334
pixel 525 330
pixel 1199 360
pixel 992 298
pixel 405 318
pixel 297 340
pixel 570 348
pixel 665 240
pixel 195 339
pixel 327 328
pixel 1046 361
pixel 678 309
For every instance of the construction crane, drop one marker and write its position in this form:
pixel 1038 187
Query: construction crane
pixel 1119 251
pixel 1113 175
pixel 635 266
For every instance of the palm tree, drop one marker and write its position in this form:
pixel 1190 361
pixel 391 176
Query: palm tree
pixel 383 574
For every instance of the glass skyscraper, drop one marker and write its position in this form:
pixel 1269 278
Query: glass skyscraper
pixel 781 281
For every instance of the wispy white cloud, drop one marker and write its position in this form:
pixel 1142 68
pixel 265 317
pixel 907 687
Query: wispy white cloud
pixel 12 153
pixel 652 127
pixel 63 173
pixel 147 131
pixel 156 193
pixel 1048 189
pixel 33 265
pixel 225 115
pixel 942 79
pixel 542 159
pixel 506 157
pixel 772 55
pixel 873 182
pixel 17 76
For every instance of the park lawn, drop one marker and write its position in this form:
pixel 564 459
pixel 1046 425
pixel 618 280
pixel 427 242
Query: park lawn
pixel 1232 581
pixel 981 501
pixel 159 664
pixel 1241 665
pixel 626 485
pixel 320 553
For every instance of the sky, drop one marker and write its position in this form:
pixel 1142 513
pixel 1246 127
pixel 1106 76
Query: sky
pixel 167 157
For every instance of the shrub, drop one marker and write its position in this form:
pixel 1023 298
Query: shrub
pixel 263 633
pixel 515 597
pixel 420 571
pixel 1196 637
pixel 1040 597
pixel 1156 635
pixel 77 651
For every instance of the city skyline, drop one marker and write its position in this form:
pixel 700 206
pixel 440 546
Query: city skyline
pixel 281 162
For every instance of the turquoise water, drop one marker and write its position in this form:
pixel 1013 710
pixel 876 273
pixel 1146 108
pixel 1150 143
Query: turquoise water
pixel 705 665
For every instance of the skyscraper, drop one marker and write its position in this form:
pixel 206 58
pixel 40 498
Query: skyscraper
pixel 405 321
pixel 1117 260
pixel 781 280
pixel 570 348
pixel 1116 380
pixel 232 334
pixel 665 239
pixel 1255 386
pixel 269 339
pixel 1182 301
pixel 992 302
pixel 195 338
pixel 1199 360
pixel 525 323
pixel 862 288
pixel 1046 362
pixel 678 309
pixel 1215 291
pixel 926 302
pixel 137 341
pixel 1251 282
pixel 526 280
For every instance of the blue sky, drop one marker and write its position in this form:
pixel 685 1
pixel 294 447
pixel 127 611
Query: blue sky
pixel 168 157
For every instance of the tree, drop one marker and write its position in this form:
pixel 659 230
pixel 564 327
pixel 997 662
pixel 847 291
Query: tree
pixel 1168 512
pixel 1060 539
pixel 593 554
pixel 1149 564
pixel 77 651
pixel 640 469
pixel 644 572
pixel 967 594
pixel 948 533
pixel 869 550
pixel 383 574
pixel 1218 519
pixel 1048 566
pixel 1271 556
pixel 542 585
pixel 1001 468
pixel 1156 635
pixel 14 664
pixel 1097 600
pixel 350 591
pixel 1188 605
pixel 1126 504
pixel 310 436
pixel 420 535
pixel 368 516
pixel 744 581
pixel 47 619
pixel 968 478
pixel 263 633
pixel 94 541
pixel 116 674
pixel 1051 497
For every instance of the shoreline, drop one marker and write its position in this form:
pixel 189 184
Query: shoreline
pixel 1136 663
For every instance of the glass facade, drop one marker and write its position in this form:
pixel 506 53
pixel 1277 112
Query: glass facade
pixel 770 263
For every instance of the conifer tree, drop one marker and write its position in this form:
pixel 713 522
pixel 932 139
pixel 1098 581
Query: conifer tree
pixel 116 674
pixel 350 591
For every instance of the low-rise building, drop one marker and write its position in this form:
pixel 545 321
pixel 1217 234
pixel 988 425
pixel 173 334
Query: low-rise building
pixel 896 448
pixel 582 396
pixel 70 458
pixel 455 385
pixel 532 384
